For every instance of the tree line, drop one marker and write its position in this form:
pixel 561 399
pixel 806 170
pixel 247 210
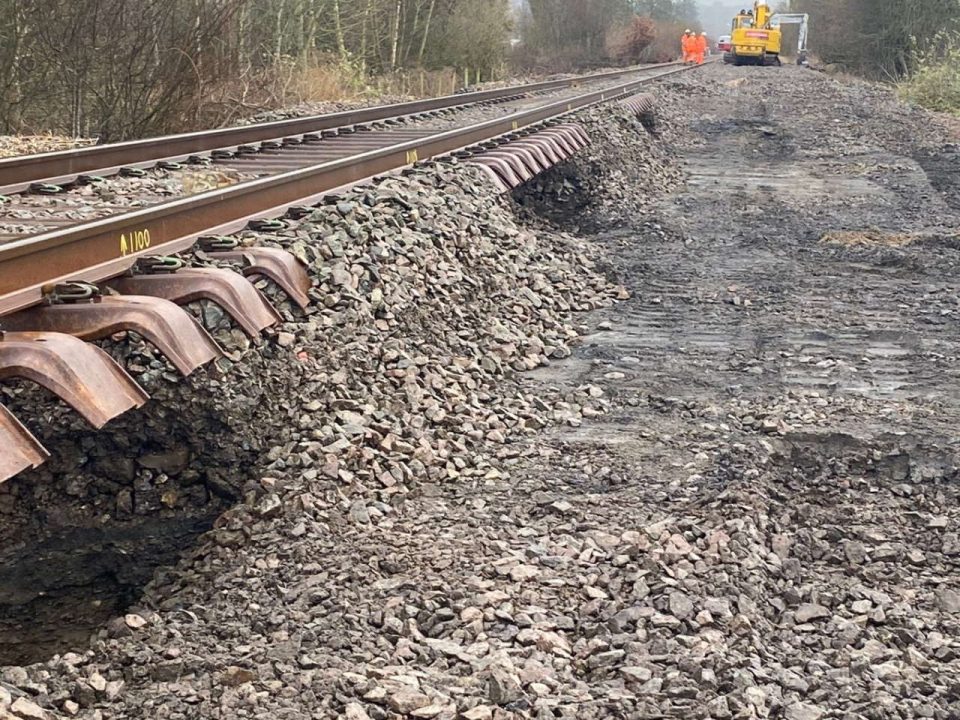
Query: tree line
pixel 125 68
pixel 885 40
pixel 118 69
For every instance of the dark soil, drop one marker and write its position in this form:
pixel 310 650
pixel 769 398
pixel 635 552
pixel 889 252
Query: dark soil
pixel 785 373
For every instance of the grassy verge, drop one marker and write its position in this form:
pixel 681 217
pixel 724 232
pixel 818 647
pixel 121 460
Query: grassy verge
pixel 935 84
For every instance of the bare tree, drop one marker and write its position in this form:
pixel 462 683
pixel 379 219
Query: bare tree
pixel 878 38
pixel 122 68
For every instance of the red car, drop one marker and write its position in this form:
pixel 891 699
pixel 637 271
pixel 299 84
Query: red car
pixel 723 43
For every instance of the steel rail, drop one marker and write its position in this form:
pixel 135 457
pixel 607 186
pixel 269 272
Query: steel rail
pixel 19 173
pixel 106 248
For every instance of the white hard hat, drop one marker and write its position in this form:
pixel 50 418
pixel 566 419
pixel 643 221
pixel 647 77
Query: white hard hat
pixel 704 34
pixel 686 31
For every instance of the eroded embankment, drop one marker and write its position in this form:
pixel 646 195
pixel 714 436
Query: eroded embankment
pixel 735 495
pixel 302 457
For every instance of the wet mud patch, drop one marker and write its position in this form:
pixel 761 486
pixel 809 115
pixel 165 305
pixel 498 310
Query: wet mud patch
pixel 759 183
pixel 755 137
pixel 943 171
pixel 82 535
pixel 60 591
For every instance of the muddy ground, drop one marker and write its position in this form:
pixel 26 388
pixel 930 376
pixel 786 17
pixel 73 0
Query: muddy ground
pixel 743 503
pixel 785 377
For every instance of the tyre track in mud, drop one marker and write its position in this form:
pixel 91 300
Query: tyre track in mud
pixel 782 390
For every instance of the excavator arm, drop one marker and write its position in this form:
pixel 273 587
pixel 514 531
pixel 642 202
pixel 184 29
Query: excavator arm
pixel 778 20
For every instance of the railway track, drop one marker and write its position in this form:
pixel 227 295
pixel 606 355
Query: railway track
pixel 85 281
pixel 50 203
pixel 62 167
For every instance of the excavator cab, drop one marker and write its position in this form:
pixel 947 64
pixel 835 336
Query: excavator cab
pixel 754 41
pixel 744 19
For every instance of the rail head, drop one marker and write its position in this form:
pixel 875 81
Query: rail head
pixel 18 173
pixel 105 248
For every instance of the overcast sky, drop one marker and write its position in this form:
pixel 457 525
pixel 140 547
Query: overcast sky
pixel 716 15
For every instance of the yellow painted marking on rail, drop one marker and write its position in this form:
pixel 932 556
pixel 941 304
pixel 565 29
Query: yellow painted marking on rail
pixel 412 157
pixel 569 106
pixel 602 97
pixel 134 241
pixel 514 125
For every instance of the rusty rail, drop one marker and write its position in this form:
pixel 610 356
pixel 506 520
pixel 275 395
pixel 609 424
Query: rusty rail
pixel 19 173
pixel 57 289
pixel 105 248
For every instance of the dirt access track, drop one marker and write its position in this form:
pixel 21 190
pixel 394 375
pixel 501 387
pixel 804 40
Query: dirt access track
pixel 735 497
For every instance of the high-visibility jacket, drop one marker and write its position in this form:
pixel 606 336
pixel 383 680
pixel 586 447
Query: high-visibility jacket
pixel 700 45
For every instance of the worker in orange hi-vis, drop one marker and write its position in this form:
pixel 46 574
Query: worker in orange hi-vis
pixel 701 45
pixel 689 46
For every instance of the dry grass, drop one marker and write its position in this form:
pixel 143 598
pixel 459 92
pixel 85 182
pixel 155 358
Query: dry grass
pixel 290 83
pixel 328 81
pixel 321 83
pixel 335 83
pixel 423 83
pixel 13 145
pixel 874 237
pixel 869 237
pixel 201 180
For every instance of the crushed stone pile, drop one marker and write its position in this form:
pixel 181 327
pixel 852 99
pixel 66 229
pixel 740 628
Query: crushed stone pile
pixel 395 386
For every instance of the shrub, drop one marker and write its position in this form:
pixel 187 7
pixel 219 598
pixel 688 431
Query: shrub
pixel 935 84
pixel 666 46
pixel 627 44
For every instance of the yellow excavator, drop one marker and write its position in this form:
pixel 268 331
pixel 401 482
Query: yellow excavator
pixel 756 38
